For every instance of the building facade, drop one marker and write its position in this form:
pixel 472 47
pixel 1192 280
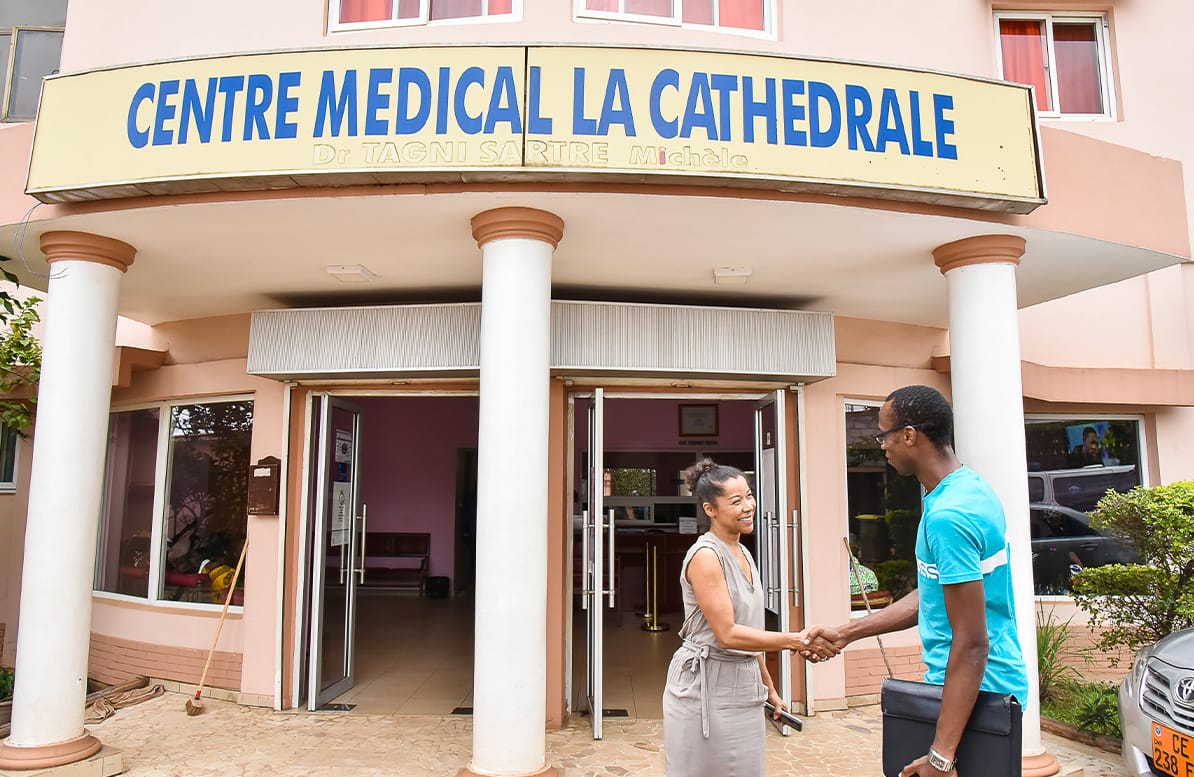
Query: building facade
pixel 428 301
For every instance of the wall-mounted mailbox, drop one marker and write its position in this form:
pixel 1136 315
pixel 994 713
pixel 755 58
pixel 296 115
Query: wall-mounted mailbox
pixel 264 484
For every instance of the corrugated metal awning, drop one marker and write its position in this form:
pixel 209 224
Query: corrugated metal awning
pixel 589 338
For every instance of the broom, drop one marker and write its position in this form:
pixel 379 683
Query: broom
pixel 195 705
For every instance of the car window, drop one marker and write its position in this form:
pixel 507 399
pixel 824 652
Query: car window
pixel 1036 489
pixel 1064 524
pixel 1082 492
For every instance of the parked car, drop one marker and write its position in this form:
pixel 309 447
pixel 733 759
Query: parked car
pixel 1080 488
pixel 1064 543
pixel 1156 708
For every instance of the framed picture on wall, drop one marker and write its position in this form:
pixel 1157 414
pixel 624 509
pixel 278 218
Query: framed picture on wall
pixel 698 420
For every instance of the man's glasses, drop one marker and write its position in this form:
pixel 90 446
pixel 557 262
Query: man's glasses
pixel 882 435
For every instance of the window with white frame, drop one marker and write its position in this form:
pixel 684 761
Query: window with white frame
pixel 30 48
pixel 175 503
pixel 1064 56
pixel 9 445
pixel 1072 462
pixel 748 15
pixel 355 14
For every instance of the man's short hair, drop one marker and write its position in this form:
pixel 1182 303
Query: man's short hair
pixel 925 408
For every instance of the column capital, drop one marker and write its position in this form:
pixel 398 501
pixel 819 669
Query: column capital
pixel 530 223
pixel 980 249
pixel 86 247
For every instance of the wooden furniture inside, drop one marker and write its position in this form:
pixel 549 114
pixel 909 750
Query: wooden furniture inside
pixel 397 560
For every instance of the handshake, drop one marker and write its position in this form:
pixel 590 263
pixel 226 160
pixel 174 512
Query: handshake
pixel 818 643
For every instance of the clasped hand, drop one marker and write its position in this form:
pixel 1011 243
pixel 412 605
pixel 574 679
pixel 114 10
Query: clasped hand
pixel 820 643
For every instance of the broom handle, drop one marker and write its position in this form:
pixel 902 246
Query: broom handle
pixel 220 625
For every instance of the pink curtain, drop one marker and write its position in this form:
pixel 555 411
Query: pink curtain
pixel 1079 86
pixel 500 7
pixel 650 7
pixel 601 5
pixel 1023 44
pixel 741 14
pixel 455 9
pixel 365 10
pixel 698 11
pixel 408 9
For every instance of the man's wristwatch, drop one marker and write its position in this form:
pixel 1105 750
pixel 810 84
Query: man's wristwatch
pixel 940 762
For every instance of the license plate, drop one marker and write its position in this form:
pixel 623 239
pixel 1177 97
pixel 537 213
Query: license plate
pixel 1173 752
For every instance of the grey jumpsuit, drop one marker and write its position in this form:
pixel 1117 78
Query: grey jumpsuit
pixel 713 721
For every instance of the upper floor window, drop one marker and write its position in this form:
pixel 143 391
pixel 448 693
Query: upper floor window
pixel 1063 55
pixel 30 48
pixel 355 14
pixel 730 14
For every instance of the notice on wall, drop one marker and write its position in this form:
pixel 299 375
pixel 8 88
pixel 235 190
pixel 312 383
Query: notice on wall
pixel 688 524
pixel 341 523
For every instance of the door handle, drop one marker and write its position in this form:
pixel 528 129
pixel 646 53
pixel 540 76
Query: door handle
pixel 364 533
pixel 794 528
pixel 611 559
pixel 585 591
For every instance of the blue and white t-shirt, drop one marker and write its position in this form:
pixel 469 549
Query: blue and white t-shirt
pixel 963 537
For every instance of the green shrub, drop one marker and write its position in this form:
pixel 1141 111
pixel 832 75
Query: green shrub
pixel 1092 706
pixel 897 576
pixel 1137 604
pixel 1054 655
pixel 6 680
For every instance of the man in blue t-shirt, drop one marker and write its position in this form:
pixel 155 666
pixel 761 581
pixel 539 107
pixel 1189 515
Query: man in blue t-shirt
pixel 963 603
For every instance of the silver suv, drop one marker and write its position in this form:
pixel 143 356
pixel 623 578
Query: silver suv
pixel 1156 708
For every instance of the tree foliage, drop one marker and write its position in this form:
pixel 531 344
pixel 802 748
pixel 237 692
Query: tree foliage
pixel 20 356
pixel 1137 604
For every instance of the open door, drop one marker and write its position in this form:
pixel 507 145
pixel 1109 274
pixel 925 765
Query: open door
pixel 594 555
pixel 337 547
pixel 771 534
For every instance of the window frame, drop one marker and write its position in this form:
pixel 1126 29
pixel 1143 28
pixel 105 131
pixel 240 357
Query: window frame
pixel 582 14
pixel 423 19
pixel 161 487
pixel 7 433
pixel 11 66
pixel 1103 44
pixel 846 403
pixel 1142 444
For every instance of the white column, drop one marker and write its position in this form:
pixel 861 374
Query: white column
pixel 988 401
pixel 509 678
pixel 65 490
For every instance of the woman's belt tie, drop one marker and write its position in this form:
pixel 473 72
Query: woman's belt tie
pixel 696 663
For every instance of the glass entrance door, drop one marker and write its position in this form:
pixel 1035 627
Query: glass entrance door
pixel 771 491
pixel 337 545
pixel 593 556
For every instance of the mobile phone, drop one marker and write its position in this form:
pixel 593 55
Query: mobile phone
pixel 784 716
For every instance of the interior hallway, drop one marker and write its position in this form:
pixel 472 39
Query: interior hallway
pixel 414 656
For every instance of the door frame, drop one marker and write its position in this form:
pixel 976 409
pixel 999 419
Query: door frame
pixel 295 603
pixel 794 537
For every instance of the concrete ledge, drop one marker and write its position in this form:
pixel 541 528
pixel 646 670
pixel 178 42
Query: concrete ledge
pixel 1085 736
pixel 223 694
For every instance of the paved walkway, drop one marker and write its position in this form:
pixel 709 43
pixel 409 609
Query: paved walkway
pixel 157 738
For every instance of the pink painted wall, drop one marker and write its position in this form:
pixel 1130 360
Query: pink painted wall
pixel 408 466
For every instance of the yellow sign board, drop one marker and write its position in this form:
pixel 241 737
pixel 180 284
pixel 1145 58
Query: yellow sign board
pixel 400 114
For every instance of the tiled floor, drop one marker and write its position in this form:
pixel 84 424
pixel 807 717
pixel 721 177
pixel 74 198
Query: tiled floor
pixel 158 739
pixel 415 656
